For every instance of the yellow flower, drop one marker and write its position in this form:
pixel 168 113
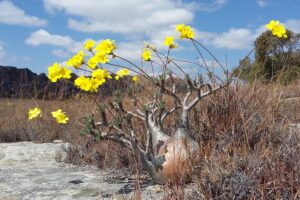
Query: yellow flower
pixel 102 57
pixel 33 113
pixel 123 72
pixel 60 117
pixel 146 55
pixel 185 31
pixel 135 79
pixel 89 44
pixel 277 29
pixel 179 27
pixel 95 84
pixel 93 61
pixel 83 83
pixel 56 72
pixel 77 60
pixel 106 46
pixel 117 77
pixel 169 41
pixel 272 24
pixel 101 74
pixel 88 84
pixel 65 73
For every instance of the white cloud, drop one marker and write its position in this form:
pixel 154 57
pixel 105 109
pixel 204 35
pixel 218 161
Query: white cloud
pixel 137 20
pixel 240 38
pixel 293 25
pixel 60 53
pixel 131 51
pixel 126 16
pixel 42 37
pixel 2 53
pixel 234 38
pixel 216 5
pixel 10 14
pixel 262 3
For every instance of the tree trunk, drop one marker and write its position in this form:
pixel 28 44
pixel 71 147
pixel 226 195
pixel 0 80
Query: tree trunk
pixel 169 163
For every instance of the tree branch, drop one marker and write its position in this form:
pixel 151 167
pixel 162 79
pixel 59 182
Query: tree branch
pixel 117 137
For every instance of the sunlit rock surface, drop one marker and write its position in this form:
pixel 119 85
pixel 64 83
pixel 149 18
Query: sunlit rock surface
pixel 30 171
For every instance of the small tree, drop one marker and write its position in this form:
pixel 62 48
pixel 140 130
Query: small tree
pixel 141 125
pixel 275 59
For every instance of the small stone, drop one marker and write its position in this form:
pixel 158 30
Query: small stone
pixel 76 181
pixel 57 141
pixel 107 195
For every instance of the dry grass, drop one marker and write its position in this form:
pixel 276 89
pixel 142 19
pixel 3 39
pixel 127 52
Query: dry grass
pixel 248 150
pixel 14 127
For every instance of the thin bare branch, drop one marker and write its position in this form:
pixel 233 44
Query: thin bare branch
pixel 117 137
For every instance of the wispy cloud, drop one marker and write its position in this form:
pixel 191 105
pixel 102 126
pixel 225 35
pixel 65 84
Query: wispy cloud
pixel 2 53
pixel 240 38
pixel 234 38
pixel 209 7
pixel 8 59
pixel 262 3
pixel 293 25
pixel 10 14
pixel 43 37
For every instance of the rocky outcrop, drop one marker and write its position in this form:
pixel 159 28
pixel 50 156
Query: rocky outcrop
pixel 23 83
pixel 30 171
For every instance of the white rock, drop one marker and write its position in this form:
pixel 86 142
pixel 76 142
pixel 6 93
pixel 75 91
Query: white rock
pixel 28 171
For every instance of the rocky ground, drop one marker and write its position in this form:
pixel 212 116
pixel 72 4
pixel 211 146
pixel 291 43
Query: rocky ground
pixel 30 171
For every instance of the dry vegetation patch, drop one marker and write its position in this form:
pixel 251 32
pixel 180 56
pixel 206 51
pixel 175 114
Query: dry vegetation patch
pixel 247 148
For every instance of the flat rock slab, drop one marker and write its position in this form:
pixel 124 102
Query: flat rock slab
pixel 29 171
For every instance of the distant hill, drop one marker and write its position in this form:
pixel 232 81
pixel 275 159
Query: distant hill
pixel 23 83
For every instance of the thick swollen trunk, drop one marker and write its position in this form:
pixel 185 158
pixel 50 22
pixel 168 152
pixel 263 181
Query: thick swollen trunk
pixel 169 162
pixel 158 137
pixel 170 154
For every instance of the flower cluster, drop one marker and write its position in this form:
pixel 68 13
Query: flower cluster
pixel 106 46
pixel 122 73
pixel 185 31
pixel 59 116
pixel 92 84
pixel 56 72
pixel 100 55
pixel 87 84
pixel 135 79
pixel 146 55
pixel 34 112
pixel 277 29
pixel 169 41
pixel 77 60
pixel 89 44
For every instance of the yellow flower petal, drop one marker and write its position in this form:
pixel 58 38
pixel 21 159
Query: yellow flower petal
pixel 60 117
pixel 34 112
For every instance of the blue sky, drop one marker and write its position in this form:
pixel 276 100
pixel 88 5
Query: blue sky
pixel 37 33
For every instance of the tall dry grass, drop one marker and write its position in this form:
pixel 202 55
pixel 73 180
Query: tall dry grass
pixel 15 127
pixel 248 149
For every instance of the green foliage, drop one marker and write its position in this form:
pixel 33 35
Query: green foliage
pixel 88 122
pixel 276 59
